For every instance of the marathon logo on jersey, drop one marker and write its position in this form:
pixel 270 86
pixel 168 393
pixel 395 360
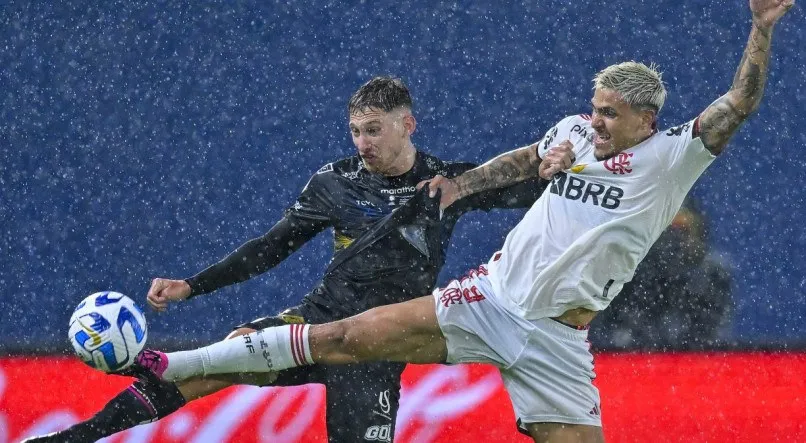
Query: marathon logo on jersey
pixel 574 188
pixel 396 191
pixel 619 164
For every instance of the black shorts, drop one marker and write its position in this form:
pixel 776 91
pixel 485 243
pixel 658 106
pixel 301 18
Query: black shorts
pixel 362 399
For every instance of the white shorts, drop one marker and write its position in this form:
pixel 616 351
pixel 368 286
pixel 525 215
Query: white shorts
pixel 546 365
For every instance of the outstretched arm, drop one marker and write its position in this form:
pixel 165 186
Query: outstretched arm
pixel 507 169
pixel 504 170
pixel 252 258
pixel 724 116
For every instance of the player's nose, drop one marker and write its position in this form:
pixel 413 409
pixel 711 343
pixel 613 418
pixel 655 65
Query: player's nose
pixel 362 144
pixel 597 123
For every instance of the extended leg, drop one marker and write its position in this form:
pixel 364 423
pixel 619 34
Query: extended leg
pixel 362 401
pixel 146 400
pixel 405 332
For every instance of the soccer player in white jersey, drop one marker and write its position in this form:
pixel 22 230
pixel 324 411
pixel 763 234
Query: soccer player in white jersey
pixel 616 184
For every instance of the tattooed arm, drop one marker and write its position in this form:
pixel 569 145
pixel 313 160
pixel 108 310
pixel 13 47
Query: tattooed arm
pixel 507 169
pixel 724 116
pixel 504 170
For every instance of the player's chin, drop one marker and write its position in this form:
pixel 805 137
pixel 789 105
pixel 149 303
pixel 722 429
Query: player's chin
pixel 604 151
pixel 370 163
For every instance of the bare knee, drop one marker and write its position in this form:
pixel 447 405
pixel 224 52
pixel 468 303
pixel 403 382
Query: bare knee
pixel 564 433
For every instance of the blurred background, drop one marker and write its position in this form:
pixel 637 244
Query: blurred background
pixel 149 139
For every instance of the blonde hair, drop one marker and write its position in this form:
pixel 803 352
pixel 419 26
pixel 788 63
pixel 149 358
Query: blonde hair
pixel 639 85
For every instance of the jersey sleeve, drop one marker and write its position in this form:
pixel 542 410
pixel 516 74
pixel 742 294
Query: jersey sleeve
pixel 687 155
pixel 556 134
pixel 315 203
pixel 308 216
pixel 255 256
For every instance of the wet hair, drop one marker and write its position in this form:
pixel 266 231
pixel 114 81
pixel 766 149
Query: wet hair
pixel 638 84
pixel 383 93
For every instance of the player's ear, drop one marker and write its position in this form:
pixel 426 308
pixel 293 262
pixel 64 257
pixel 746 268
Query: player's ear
pixel 648 118
pixel 410 123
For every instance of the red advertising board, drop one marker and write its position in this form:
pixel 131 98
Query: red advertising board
pixel 645 397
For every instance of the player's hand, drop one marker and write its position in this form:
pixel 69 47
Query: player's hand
pixel 448 188
pixel 164 291
pixel 767 12
pixel 557 159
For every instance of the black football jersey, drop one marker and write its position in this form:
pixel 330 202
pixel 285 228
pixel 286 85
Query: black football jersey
pixel 389 240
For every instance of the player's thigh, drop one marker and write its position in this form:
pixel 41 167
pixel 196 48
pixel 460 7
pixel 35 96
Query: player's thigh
pixel 362 401
pixel 406 332
pixel 564 433
pixel 551 383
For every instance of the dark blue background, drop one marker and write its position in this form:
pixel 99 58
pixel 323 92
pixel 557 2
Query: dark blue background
pixel 145 139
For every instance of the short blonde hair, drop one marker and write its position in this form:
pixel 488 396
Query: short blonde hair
pixel 639 85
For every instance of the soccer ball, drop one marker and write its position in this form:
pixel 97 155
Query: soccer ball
pixel 107 331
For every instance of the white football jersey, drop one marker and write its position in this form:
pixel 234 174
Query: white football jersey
pixel 583 238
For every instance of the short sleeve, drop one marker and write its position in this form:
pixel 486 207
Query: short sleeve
pixel 546 142
pixel 315 202
pixel 559 131
pixel 688 156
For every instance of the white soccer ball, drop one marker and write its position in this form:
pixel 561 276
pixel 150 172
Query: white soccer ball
pixel 107 331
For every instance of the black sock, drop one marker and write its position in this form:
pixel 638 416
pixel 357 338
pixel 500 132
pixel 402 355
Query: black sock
pixel 142 402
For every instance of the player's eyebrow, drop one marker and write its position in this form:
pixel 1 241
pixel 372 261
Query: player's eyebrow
pixel 601 109
pixel 371 122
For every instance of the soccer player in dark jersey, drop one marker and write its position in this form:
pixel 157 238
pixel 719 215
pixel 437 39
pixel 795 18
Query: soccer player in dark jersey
pixel 383 229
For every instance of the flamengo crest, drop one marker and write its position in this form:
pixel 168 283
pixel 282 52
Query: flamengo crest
pixel 620 164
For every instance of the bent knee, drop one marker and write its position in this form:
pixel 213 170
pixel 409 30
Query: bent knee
pixel 239 332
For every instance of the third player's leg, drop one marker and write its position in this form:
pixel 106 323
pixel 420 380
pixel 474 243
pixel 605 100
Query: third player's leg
pixel 405 332
pixel 362 401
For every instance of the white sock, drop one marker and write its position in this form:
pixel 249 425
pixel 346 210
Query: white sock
pixel 268 350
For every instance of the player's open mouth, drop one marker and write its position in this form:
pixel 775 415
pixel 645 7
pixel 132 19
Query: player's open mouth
pixel 601 139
